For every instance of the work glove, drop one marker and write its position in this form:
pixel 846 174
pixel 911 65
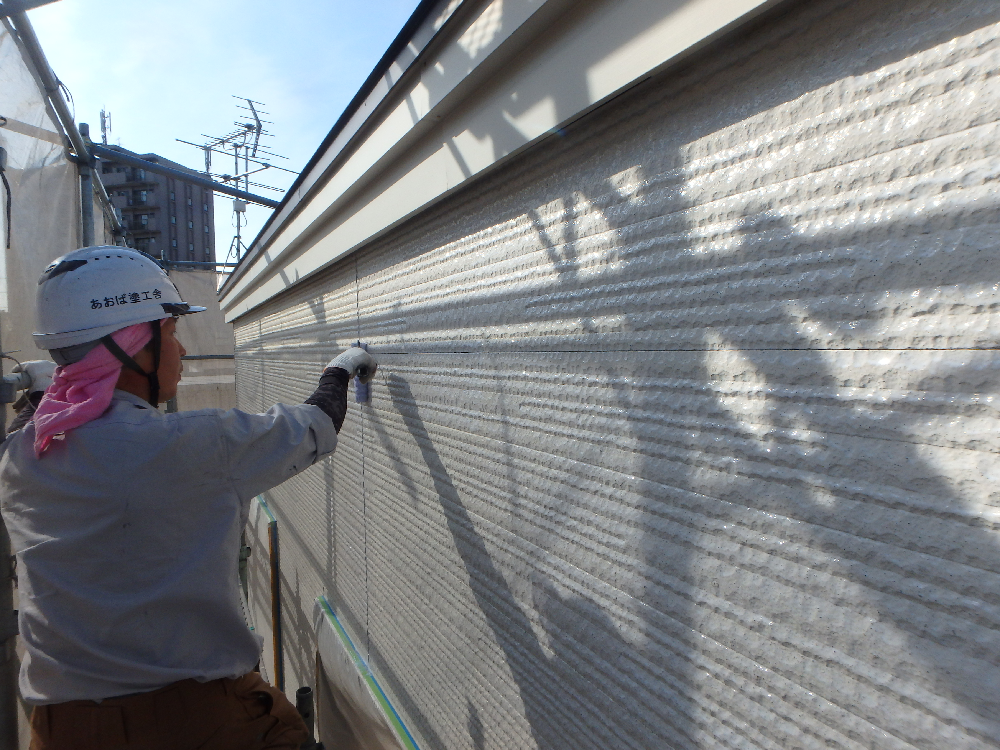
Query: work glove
pixel 357 362
pixel 39 372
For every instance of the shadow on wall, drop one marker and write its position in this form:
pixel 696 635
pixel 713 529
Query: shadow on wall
pixel 531 666
pixel 782 511
pixel 785 518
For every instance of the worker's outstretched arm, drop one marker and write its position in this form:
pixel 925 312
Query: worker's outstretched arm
pixel 263 450
pixel 331 395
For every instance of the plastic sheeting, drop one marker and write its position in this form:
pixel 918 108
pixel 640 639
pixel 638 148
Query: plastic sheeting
pixel 45 196
pixel 685 429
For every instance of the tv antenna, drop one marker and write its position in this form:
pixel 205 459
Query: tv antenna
pixel 251 155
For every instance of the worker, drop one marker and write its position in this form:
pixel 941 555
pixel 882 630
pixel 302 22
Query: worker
pixel 126 522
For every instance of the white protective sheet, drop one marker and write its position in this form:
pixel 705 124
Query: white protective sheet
pixel 44 192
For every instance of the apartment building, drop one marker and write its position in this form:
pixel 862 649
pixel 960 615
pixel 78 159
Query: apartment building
pixel 165 217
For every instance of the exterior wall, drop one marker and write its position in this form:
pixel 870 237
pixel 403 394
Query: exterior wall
pixel 209 380
pixel 684 433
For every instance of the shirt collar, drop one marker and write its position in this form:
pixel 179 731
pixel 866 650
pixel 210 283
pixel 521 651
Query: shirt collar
pixel 120 395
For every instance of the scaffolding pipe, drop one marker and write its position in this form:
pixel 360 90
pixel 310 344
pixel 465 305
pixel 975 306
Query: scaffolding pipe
pixel 86 194
pixel 304 705
pixel 8 627
pixel 84 157
pixel 10 7
pixel 127 157
pixel 109 209
pixel 8 642
pixel 87 205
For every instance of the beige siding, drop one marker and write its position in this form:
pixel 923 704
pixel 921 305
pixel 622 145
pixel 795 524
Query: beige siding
pixel 685 431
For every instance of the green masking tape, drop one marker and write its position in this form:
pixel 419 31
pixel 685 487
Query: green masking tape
pixel 362 666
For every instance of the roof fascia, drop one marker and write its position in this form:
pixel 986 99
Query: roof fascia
pixel 428 20
pixel 425 142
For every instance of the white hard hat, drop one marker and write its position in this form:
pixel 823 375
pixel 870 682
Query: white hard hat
pixel 95 291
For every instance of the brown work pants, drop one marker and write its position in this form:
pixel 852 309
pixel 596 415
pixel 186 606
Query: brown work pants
pixel 241 714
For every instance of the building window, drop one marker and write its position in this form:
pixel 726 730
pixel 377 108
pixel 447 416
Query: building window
pixel 107 169
pixel 191 248
pixel 190 225
pixel 206 228
pixel 204 207
pixel 173 219
pixel 122 193
pixel 121 169
pixel 173 243
pixel 172 195
pixel 190 202
pixel 144 219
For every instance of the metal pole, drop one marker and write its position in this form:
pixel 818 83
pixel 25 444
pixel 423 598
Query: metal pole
pixel 87 205
pixel 86 194
pixel 8 654
pixel 10 7
pixel 304 704
pixel 195 178
pixel 8 629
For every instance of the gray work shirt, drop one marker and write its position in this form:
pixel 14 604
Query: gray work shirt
pixel 127 534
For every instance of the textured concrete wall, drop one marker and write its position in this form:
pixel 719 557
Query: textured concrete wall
pixel 685 430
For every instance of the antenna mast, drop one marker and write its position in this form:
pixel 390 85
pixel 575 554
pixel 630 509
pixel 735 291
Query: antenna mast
pixel 250 156
pixel 105 126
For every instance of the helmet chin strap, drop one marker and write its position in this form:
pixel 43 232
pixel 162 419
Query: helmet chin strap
pixel 127 361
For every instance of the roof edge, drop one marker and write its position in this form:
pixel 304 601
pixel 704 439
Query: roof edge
pixel 423 11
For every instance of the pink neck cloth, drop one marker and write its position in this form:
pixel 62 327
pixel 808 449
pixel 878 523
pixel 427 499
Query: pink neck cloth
pixel 82 391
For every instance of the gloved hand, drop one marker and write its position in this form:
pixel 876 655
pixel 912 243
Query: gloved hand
pixel 357 362
pixel 40 372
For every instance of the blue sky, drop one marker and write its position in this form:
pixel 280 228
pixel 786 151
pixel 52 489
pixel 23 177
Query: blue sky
pixel 169 69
